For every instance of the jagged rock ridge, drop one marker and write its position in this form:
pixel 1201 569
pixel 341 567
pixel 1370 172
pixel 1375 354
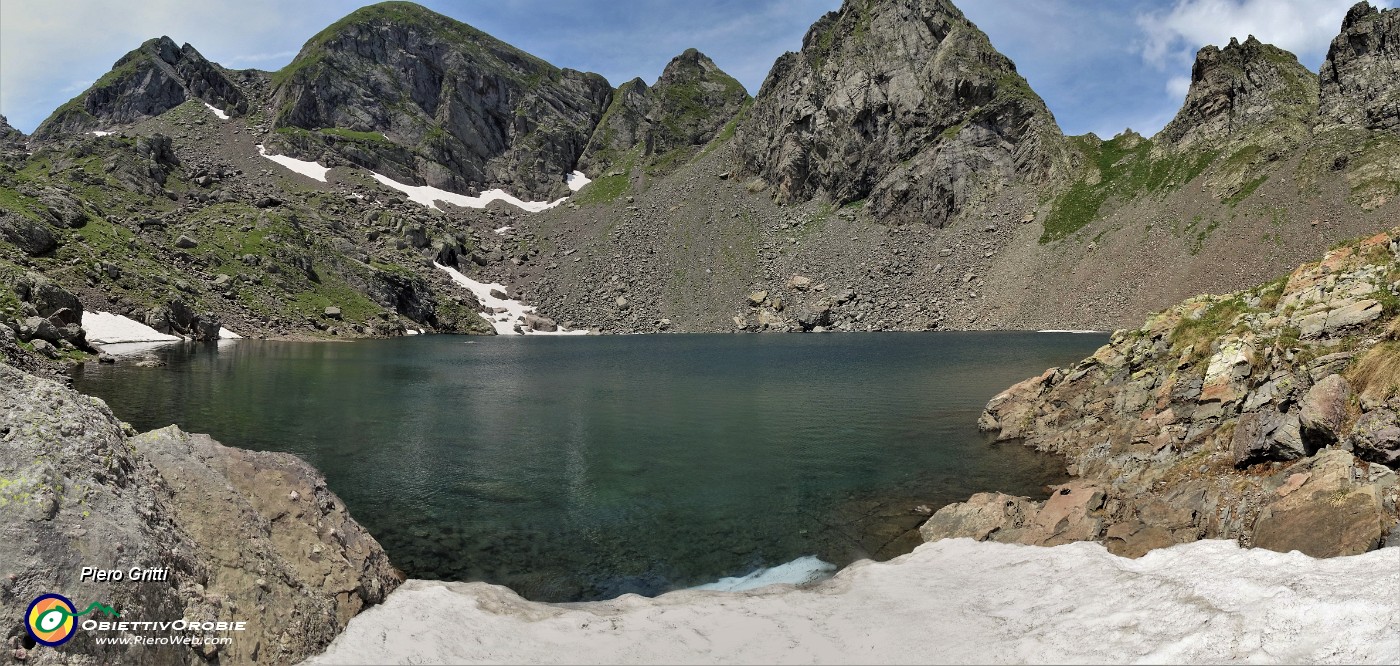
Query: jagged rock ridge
pixel 150 80
pixel 423 98
pixel 1360 80
pixel 1249 91
pixel 689 104
pixel 905 105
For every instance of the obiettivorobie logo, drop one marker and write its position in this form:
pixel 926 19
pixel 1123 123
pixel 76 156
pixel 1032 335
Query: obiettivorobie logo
pixel 51 618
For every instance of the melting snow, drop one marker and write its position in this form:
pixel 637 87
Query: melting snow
pixel 576 180
pixel 504 229
pixel 515 311
pixel 109 329
pixel 217 111
pixel 308 169
pixel 951 601
pixel 98 133
pixel 429 196
pixel 801 571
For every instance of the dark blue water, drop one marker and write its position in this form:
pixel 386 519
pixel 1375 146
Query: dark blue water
pixel 583 468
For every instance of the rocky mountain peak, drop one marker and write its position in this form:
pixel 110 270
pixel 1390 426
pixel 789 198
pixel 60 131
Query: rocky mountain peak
pixel 146 82
pixel 424 98
pixel 903 104
pixel 689 104
pixel 1248 91
pixel 1360 80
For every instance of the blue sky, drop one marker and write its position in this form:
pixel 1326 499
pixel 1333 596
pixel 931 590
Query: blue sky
pixel 1101 65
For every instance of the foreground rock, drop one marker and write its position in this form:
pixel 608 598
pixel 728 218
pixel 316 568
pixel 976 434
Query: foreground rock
pixel 1268 416
pixel 954 601
pixel 244 536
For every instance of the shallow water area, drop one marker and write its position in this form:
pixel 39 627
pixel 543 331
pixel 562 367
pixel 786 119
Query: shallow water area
pixel 584 468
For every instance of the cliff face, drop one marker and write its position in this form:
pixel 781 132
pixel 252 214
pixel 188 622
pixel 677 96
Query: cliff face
pixel 423 98
pixel 1250 91
pixel 905 105
pixel 243 536
pixel 150 80
pixel 688 106
pixel 1270 416
pixel 1360 80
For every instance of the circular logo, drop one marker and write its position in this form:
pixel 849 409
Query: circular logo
pixel 50 619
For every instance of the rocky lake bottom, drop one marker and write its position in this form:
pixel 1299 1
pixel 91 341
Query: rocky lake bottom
pixel 585 468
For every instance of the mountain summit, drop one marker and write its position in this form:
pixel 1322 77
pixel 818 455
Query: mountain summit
pixel 905 104
pixel 423 98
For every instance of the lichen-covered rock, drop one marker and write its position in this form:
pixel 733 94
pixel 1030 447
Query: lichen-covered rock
pixel 244 536
pixel 1219 418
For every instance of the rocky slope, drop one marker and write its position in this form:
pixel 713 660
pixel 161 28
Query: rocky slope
pixel 244 536
pixel 150 80
pixel 1271 416
pixel 424 99
pixel 904 105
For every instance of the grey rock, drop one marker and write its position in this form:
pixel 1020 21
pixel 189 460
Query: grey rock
pixel 332 312
pixel 38 328
pixel 538 323
pixel 1264 436
pixel 1376 438
pixel 1360 79
pixel 185 242
pixel 1323 411
pixel 31 237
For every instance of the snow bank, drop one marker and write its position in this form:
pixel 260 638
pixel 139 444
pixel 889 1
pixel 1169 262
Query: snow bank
pixel 429 196
pixel 107 329
pixel 98 133
pixel 217 111
pixel 515 311
pixel 950 601
pixel 225 334
pixel 801 571
pixel 576 180
pixel 503 230
pixel 308 169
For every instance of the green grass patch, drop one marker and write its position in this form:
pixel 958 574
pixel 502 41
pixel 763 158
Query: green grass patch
pixel 1126 169
pixel 1245 191
pixel 1213 322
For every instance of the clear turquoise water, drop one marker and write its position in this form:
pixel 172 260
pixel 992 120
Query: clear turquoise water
pixel 584 468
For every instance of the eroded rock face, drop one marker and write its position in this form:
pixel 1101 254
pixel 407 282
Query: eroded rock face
pixel 690 103
pixel 424 99
pixel 904 104
pixel 150 80
pixel 1250 91
pixel 244 536
pixel 1223 417
pixel 1360 80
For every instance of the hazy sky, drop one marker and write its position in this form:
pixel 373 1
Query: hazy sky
pixel 1101 65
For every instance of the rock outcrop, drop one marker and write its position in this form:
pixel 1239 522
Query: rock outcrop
pixel 150 80
pixel 905 105
pixel 1250 91
pixel 1270 416
pixel 241 536
pixel 689 104
pixel 1360 80
pixel 423 98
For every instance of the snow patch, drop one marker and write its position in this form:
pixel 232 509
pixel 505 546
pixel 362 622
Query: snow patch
pixel 429 196
pixel 225 334
pixel 951 601
pixel 303 167
pixel 504 229
pixel 97 133
pixel 801 571
pixel 108 329
pixel 513 311
pixel 217 111
pixel 576 180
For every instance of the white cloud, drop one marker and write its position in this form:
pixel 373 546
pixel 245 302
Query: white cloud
pixel 1178 86
pixel 1305 27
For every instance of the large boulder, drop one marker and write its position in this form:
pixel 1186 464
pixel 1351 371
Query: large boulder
pixel 1266 436
pixel 1323 411
pixel 236 536
pixel 1328 506
pixel 30 236
pixel 1376 437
